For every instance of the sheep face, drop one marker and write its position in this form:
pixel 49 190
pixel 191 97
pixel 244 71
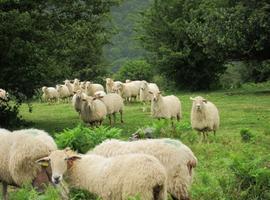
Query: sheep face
pixel 198 103
pixel 60 161
pixel 143 85
pixel 156 96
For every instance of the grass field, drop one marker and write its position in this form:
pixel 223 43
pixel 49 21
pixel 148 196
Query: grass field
pixel 228 167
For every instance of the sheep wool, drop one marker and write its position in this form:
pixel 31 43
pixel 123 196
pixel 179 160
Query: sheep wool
pixel 91 88
pixel 176 157
pixel 114 178
pixel 204 116
pixel 49 93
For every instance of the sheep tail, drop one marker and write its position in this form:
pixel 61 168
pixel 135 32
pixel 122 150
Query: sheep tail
pixel 190 165
pixel 157 192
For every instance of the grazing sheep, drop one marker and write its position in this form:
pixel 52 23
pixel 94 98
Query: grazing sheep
pixel 3 94
pixel 91 88
pixel 115 178
pixel 93 111
pixel 77 100
pixel 144 90
pixel 176 157
pixel 19 151
pixel 63 91
pixel 167 107
pixel 204 116
pixel 114 103
pixel 69 86
pixel 49 93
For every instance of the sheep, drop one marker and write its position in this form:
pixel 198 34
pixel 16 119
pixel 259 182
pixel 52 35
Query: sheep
pixel 204 116
pixel 63 91
pixel 127 90
pixel 19 151
pixel 82 85
pixel 114 103
pixel 93 111
pixel 77 100
pixel 109 85
pixel 167 107
pixel 3 94
pixel 115 178
pixel 49 93
pixel 69 86
pixel 76 85
pixel 91 88
pixel 144 90
pixel 176 157
pixel 99 94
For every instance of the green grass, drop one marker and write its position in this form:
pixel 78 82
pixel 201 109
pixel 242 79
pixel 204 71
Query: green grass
pixel 214 178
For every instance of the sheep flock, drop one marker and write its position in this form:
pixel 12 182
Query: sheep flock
pixel 114 170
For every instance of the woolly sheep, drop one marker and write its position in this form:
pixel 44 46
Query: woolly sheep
pixel 115 178
pixel 19 151
pixel 204 116
pixel 114 103
pixel 145 88
pixel 69 86
pixel 167 107
pixel 91 88
pixel 93 111
pixel 49 93
pixel 3 94
pixel 99 94
pixel 109 85
pixel 176 157
pixel 63 91
pixel 127 90
pixel 77 100
pixel 76 85
pixel 82 85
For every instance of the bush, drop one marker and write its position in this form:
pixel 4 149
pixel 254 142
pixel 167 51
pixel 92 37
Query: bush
pixel 79 194
pixel 135 70
pixel 82 138
pixel 246 135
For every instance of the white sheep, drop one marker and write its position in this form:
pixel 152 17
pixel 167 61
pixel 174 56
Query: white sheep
pixel 63 91
pixel 144 91
pixel 114 104
pixel 93 111
pixel 168 107
pixel 99 94
pixel 69 86
pixel 91 88
pixel 76 85
pixel 77 100
pixel 49 94
pixel 127 90
pixel 3 94
pixel 19 151
pixel 115 178
pixel 82 85
pixel 176 157
pixel 109 85
pixel 204 116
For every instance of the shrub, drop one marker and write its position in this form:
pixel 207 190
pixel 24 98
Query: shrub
pixel 246 135
pixel 82 138
pixel 79 194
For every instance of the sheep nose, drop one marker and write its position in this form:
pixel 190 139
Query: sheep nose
pixel 56 179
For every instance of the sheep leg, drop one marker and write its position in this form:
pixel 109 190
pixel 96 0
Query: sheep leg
pixel 110 118
pixel 214 133
pixel 121 116
pixel 114 118
pixel 5 185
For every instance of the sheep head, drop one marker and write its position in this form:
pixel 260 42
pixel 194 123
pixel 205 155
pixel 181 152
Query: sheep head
pixel 60 161
pixel 155 95
pixel 198 102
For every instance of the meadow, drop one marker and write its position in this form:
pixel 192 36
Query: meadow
pixel 234 164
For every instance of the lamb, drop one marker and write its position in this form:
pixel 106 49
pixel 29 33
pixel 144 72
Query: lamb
pixel 63 91
pixel 204 116
pixel 93 111
pixel 144 90
pixel 167 107
pixel 91 88
pixel 49 93
pixel 114 103
pixel 176 157
pixel 115 178
pixel 19 151
pixel 3 94
pixel 69 86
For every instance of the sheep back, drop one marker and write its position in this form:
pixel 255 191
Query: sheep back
pixel 114 103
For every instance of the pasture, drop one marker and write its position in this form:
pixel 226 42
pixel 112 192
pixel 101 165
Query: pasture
pixel 229 167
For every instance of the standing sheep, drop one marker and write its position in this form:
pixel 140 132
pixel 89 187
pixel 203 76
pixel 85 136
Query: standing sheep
pixel 114 103
pixel 115 178
pixel 176 157
pixel 76 85
pixel 93 111
pixel 91 88
pixel 144 90
pixel 167 107
pixel 77 100
pixel 109 85
pixel 49 93
pixel 63 91
pixel 69 86
pixel 19 151
pixel 128 91
pixel 204 116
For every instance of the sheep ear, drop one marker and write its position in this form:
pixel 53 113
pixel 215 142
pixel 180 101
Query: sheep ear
pixel 71 159
pixel 44 162
pixel 159 92
pixel 205 100
pixel 192 99
pixel 150 92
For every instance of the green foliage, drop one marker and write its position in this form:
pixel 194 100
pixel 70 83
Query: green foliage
pixel 79 194
pixel 83 139
pixel 246 135
pixel 135 70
